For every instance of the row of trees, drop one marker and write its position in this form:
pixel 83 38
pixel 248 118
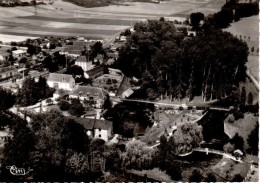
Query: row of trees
pixel 169 64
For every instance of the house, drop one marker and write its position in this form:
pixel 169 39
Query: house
pixel 83 63
pixel 95 128
pixel 61 81
pixel 7 72
pixel 94 72
pixel 89 93
pixel 18 53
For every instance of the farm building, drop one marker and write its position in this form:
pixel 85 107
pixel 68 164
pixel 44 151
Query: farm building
pixel 61 81
pixel 89 93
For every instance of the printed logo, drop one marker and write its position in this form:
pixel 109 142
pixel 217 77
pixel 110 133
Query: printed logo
pixel 18 171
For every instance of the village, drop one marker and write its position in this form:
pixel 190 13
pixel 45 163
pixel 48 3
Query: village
pixel 142 121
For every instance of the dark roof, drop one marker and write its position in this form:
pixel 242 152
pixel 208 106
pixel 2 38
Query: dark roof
pixel 65 78
pixel 79 43
pixel 81 59
pixel 95 70
pixel 7 69
pixel 94 123
pixel 89 91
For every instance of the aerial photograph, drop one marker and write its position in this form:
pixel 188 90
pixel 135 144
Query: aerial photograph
pixel 129 91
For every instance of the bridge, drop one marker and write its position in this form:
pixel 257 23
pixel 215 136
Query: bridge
pixel 212 151
pixel 185 106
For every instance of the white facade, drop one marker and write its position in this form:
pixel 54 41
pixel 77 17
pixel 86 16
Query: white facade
pixel 102 134
pixel 61 85
pixel 85 65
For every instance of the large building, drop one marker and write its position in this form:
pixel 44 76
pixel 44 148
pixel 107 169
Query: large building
pixel 83 63
pixel 61 81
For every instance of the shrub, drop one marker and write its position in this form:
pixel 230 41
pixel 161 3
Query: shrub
pixel 63 105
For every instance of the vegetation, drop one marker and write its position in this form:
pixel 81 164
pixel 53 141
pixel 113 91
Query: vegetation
pixel 168 64
pixel 7 99
pixel 55 147
pixel 253 140
pixel 32 92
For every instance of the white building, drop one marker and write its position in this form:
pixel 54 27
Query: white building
pixel 18 53
pixel 83 63
pixel 61 81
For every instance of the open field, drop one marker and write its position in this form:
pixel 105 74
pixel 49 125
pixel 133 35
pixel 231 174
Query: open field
pixel 66 19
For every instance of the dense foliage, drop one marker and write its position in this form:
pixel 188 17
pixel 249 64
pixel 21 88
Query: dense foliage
pixel 7 99
pixel 31 91
pixel 55 147
pixel 168 63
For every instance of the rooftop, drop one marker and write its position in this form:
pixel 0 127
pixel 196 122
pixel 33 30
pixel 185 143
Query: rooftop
pixel 7 69
pixel 65 78
pixel 94 123
pixel 89 91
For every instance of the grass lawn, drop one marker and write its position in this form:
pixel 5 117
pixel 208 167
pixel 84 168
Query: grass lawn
pixel 242 126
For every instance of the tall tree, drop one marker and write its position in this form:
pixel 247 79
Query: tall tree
pixel 243 96
pixel 250 98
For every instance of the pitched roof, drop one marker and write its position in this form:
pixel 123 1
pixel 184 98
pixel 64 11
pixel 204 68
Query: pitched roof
pixel 95 70
pixel 89 91
pixel 94 123
pixel 64 78
pixel 81 59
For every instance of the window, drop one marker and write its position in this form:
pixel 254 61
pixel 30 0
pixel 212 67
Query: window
pixel 99 135
pixel 99 129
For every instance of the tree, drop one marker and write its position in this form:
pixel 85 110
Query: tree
pixel 77 164
pixel 63 105
pixel 238 142
pixel 250 98
pixel 252 49
pixel 210 178
pixel 196 176
pixel 107 103
pixel 229 148
pixel 186 137
pixel 162 19
pixel 75 70
pixel 162 152
pixel 243 96
pixel 76 108
pixel 7 99
pixel 28 94
pixel 253 140
pixel 195 19
pixel 237 178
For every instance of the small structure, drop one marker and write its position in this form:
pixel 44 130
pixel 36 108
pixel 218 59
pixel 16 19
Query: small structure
pixel 89 93
pixel 61 81
pixel 95 128
pixel 18 53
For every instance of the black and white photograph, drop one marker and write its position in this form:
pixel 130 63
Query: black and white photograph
pixel 129 91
